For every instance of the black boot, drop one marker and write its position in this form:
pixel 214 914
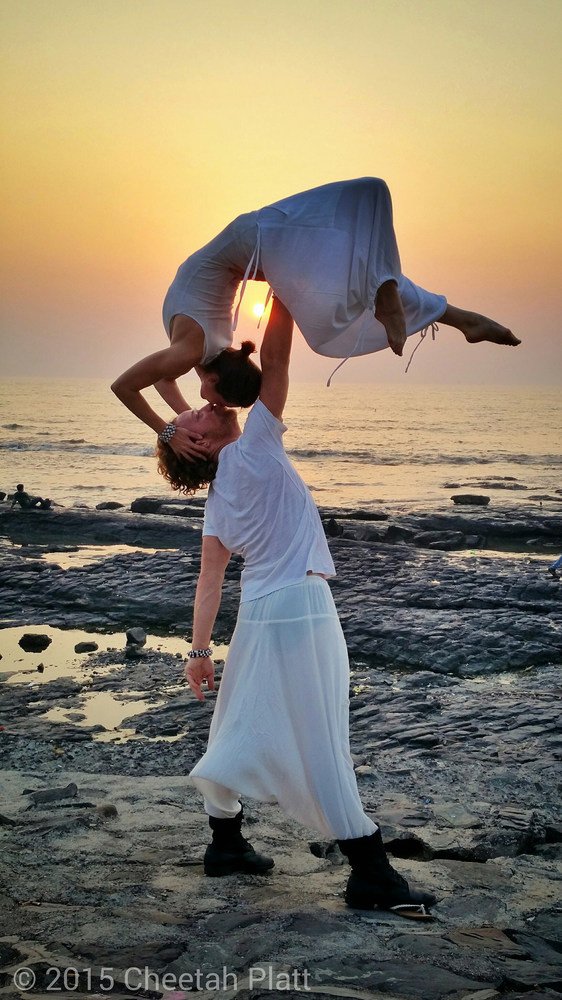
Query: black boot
pixel 374 882
pixel 229 852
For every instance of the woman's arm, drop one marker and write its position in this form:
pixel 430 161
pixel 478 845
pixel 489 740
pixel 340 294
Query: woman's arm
pixel 184 352
pixel 214 560
pixel 274 359
pixel 169 389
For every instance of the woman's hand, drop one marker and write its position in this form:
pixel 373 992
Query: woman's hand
pixel 187 444
pixel 162 368
pixel 198 670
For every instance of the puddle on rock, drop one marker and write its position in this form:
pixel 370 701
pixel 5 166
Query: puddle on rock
pixel 97 707
pixel 103 708
pixel 541 559
pixel 84 555
pixel 60 660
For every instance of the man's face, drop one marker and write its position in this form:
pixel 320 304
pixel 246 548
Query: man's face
pixel 211 421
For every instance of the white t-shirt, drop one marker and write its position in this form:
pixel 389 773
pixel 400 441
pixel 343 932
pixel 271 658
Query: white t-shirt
pixel 259 507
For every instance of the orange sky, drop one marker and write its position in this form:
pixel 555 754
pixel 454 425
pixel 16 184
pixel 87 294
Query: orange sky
pixel 136 129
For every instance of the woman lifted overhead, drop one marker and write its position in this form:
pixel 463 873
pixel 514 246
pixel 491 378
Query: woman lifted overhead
pixel 330 255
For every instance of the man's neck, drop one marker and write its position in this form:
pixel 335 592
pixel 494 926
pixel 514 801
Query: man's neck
pixel 222 443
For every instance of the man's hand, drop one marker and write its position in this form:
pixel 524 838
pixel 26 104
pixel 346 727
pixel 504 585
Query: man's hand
pixel 197 671
pixel 187 444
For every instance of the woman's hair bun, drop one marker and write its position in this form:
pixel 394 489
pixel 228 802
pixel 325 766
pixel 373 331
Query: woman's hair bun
pixel 247 348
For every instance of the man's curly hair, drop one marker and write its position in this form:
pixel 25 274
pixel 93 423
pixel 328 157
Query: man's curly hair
pixel 184 475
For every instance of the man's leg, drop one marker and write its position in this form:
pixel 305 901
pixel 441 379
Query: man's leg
pixel 228 851
pixel 375 883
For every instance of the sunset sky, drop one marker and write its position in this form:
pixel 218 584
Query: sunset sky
pixel 134 130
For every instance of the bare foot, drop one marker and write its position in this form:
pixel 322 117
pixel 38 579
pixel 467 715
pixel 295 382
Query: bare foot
pixel 478 329
pixel 389 311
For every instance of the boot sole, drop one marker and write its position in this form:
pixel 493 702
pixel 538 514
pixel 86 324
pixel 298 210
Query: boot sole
pixel 412 911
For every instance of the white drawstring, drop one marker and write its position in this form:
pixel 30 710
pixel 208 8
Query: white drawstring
pixel 255 262
pixel 350 355
pixel 434 328
pixel 337 369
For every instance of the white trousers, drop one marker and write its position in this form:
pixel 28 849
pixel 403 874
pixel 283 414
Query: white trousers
pixel 280 729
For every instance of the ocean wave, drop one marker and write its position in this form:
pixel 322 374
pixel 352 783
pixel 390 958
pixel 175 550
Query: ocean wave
pixel 12 427
pixel 355 456
pixel 77 445
pixel 371 458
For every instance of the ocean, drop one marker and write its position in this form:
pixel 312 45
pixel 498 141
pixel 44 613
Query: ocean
pixel 354 445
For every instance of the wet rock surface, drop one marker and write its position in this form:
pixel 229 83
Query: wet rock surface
pixel 455 739
pixel 404 601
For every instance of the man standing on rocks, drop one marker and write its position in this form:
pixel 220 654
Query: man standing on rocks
pixel 280 729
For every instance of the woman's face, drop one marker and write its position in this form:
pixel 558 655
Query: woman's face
pixel 208 389
pixel 212 421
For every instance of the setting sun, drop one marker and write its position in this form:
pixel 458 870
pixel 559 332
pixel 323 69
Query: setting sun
pixel 258 309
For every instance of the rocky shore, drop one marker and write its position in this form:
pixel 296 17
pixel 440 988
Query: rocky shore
pixel 454 632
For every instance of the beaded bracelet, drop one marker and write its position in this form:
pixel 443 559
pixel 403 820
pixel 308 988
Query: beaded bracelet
pixel 167 434
pixel 195 654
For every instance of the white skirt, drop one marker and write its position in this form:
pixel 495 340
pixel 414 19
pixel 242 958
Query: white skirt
pixel 280 729
pixel 324 252
pixel 326 258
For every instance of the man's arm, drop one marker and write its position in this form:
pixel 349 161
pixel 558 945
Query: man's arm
pixel 214 560
pixel 274 359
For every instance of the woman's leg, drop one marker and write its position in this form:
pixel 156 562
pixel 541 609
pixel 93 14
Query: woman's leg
pixel 390 307
pixel 390 312
pixel 364 211
pixel 476 328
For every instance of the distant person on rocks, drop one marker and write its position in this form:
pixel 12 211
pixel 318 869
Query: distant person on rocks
pixel 27 502
pixel 331 256
pixel 280 728
pixel 554 567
